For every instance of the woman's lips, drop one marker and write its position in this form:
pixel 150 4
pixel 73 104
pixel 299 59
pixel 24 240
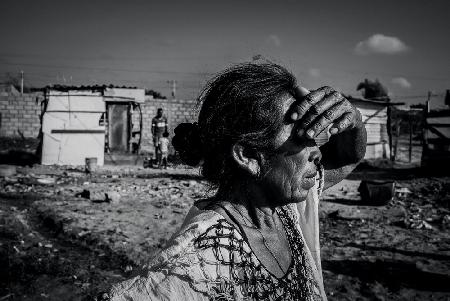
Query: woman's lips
pixel 309 182
pixel 311 174
pixel 309 179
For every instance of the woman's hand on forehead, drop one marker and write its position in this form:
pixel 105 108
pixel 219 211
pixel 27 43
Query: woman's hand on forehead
pixel 314 112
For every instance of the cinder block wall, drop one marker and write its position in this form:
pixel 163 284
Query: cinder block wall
pixel 23 112
pixel 20 113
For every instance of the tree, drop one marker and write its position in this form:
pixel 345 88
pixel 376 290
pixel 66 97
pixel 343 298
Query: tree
pixel 373 90
pixel 154 93
pixel 11 79
pixel 14 80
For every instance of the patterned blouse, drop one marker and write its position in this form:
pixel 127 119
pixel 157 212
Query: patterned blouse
pixel 210 259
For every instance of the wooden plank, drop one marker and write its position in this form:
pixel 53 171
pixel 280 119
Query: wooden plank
pixel 370 112
pixel 443 133
pixel 438 125
pixel 376 120
pixel 376 133
pixel 76 131
pixel 374 151
pixel 438 120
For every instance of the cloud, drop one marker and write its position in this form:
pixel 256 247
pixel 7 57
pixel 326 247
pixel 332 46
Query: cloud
pixel 273 39
pixel 379 43
pixel 314 72
pixel 401 82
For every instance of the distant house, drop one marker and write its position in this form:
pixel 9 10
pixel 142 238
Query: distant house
pixel 376 118
pixel 83 122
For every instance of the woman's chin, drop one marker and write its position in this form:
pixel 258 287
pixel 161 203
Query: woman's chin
pixel 299 196
pixel 308 183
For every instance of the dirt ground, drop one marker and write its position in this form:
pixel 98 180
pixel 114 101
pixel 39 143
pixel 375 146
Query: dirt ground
pixel 57 244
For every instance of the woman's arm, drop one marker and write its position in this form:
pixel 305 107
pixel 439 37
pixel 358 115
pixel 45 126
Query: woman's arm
pixel 327 109
pixel 343 152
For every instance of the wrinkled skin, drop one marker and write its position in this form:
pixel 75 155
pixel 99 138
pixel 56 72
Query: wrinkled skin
pixel 314 112
pixel 288 174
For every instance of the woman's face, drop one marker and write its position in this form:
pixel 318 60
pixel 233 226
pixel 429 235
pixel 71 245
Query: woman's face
pixel 290 173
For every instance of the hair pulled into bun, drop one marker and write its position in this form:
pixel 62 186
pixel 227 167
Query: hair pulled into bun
pixel 188 143
pixel 239 105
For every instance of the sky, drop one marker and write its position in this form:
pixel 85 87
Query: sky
pixel 403 44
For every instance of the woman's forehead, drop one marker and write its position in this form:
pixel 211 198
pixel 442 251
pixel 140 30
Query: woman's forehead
pixel 287 100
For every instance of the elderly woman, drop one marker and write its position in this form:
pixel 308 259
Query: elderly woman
pixel 258 237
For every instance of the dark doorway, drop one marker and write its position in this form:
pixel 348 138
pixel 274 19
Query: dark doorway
pixel 118 126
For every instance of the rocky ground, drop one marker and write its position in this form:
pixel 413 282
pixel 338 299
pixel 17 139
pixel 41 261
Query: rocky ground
pixel 66 235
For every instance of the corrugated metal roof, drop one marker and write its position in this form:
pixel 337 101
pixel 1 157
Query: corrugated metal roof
pixel 374 102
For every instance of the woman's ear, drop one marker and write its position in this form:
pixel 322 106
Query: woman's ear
pixel 247 159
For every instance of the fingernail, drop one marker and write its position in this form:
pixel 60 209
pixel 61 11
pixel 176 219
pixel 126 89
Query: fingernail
pixel 310 133
pixel 333 130
pixel 294 116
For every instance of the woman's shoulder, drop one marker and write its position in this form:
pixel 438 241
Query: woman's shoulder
pixel 182 270
pixel 206 232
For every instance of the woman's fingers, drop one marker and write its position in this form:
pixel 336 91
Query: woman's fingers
pixel 327 118
pixel 305 102
pixel 342 123
pixel 321 114
pixel 317 110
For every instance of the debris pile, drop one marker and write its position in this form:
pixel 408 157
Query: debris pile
pixel 78 231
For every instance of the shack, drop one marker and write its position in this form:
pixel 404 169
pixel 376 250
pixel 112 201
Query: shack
pixel 84 122
pixel 376 116
pixel 436 146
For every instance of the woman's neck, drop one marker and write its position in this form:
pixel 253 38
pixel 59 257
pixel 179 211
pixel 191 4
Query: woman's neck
pixel 252 203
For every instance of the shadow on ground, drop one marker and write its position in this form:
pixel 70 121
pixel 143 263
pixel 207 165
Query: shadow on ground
pixel 392 274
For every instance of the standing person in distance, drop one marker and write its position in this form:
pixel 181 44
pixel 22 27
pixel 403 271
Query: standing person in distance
pixel 159 126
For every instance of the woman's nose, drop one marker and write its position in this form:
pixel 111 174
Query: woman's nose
pixel 315 155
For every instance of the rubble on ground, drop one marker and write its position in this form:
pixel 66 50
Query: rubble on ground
pixel 62 230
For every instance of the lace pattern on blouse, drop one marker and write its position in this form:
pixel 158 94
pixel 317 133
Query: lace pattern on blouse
pixel 240 273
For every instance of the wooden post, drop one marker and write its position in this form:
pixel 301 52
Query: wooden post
pixel 389 131
pixel 397 131
pixel 21 82
pixel 410 136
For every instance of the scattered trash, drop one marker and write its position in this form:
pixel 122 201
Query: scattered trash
pixel 151 207
pixel 402 192
pixel 99 197
pixel 112 197
pixel 45 181
pixel 128 268
pixel 85 194
pixel 376 192
pixel 418 224
pixel 91 165
pixel 349 215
